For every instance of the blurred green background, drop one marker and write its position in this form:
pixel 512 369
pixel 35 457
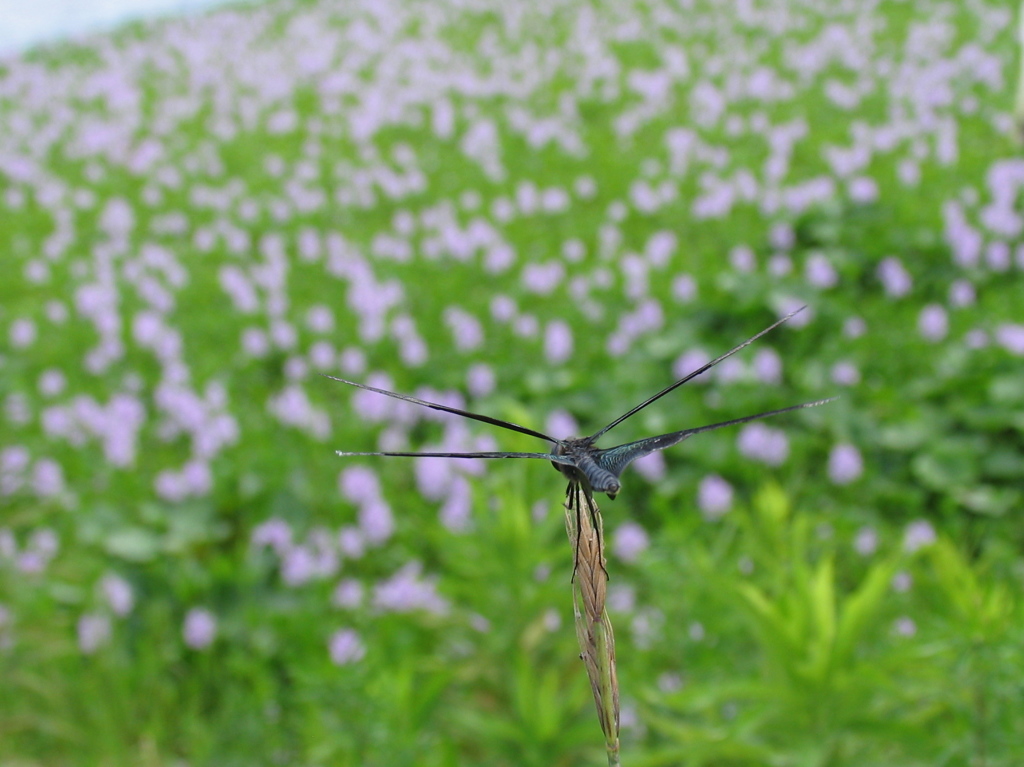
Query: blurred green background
pixel 545 214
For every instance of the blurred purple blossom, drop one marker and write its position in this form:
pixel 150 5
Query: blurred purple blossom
pixel 865 542
pixel 905 627
pixel 457 509
pixel 621 597
pixel 714 497
pixel 22 333
pixel 684 288
pixel 779 265
pixel 407 591
pixel 199 629
pixel 558 343
pixel 917 535
pixel 346 647
pixel 629 541
pixel 894 277
pixel 466 329
pixel 320 319
pixel 51 382
pixel 763 443
pixel 854 327
pixel 275 533
pixel 845 464
pixel 94 631
pixel 348 594
pixel 819 272
pixel 118 593
pixel 376 521
pixel 845 374
pixel 351 542
pixel 767 366
pixel 902 582
pixel 741 258
pixel 961 294
pixel 561 424
pixel 480 380
pixel 651 466
pixel 543 278
pixel 1011 338
pixel 933 323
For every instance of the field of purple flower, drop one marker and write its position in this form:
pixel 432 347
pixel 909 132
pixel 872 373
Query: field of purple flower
pixel 543 213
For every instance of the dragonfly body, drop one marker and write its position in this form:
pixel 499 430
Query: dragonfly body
pixel 586 466
pixel 596 469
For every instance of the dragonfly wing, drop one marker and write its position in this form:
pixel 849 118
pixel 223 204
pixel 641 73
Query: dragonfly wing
pixel 543 456
pixel 447 409
pixel 615 459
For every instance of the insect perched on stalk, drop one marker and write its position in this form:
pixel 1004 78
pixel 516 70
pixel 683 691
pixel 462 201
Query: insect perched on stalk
pixel 578 458
pixel 591 469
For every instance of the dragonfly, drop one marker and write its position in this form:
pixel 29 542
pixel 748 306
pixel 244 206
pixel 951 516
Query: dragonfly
pixel 594 469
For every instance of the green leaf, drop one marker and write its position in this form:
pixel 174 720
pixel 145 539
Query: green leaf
pixel 134 544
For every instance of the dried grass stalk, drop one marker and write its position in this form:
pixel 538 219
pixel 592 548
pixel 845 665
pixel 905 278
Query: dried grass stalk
pixel 593 626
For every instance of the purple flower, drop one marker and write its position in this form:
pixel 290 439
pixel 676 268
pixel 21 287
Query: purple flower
pixel 346 647
pixel 348 594
pixel 689 361
pixel 863 189
pixel 933 323
pixel 255 342
pixel 714 497
pixel 275 533
pixel 820 273
pixel 480 380
pixel 684 288
pixel 894 277
pixel 629 541
pixel 767 365
pixel 865 542
pixel 651 466
pixel 961 294
pixel 376 521
pixel 557 342
pixel 905 627
pixel 1011 338
pixel 466 329
pixel 320 319
pixel 351 542
pixel 407 591
pixel 741 258
pixel 298 566
pixel 918 535
pixel 118 593
pixel 51 383
pixel 901 582
pixel 456 512
pixel 854 327
pixel 763 443
pixel 47 478
pixel 200 628
pixel 542 279
pixel 780 265
pixel 845 464
pixel 845 374
pixel 352 361
pixel 22 333
pixel 585 187
pixel 359 484
pixel 621 597
pixel 561 424
pixel 93 632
